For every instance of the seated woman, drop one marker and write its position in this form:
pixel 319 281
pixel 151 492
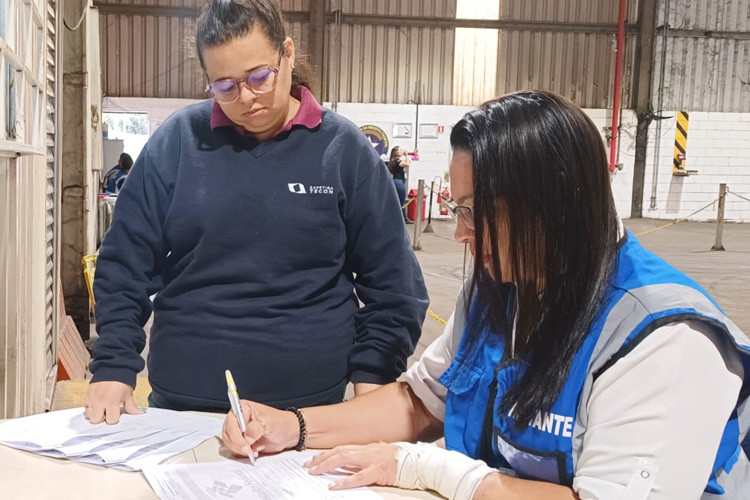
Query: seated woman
pixel 577 364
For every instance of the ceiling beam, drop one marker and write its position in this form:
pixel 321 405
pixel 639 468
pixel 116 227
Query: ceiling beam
pixel 386 20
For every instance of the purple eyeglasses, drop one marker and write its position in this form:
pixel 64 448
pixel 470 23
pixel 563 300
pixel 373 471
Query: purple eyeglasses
pixel 259 81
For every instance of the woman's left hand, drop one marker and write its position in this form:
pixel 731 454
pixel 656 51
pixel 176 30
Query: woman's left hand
pixel 371 464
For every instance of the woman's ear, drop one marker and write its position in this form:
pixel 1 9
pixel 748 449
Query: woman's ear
pixel 289 50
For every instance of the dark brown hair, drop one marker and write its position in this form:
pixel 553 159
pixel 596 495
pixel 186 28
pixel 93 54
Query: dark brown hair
pixel 220 21
pixel 393 160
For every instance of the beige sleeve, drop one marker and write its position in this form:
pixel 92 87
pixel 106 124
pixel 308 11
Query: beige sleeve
pixel 657 415
pixel 423 375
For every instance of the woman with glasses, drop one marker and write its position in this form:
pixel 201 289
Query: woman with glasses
pixel 269 235
pixel 577 364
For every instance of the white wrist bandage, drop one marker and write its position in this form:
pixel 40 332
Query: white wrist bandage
pixel 424 466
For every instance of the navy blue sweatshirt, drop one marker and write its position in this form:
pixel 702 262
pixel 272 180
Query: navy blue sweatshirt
pixel 260 255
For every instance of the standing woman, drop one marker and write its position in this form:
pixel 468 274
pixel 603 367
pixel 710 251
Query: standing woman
pixel 577 364
pixel 260 222
pixel 397 165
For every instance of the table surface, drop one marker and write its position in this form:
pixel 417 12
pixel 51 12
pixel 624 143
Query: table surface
pixel 27 476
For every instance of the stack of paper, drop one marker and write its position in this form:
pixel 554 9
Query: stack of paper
pixel 137 441
pixel 276 477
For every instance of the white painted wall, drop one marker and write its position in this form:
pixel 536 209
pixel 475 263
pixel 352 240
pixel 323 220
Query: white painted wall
pixel 434 154
pixel 718 147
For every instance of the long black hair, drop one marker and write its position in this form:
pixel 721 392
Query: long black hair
pixel 220 21
pixel 539 168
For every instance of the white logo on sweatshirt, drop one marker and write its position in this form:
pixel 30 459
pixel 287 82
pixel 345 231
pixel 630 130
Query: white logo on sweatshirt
pixel 298 188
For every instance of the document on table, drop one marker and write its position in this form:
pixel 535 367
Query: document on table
pixel 273 477
pixel 137 441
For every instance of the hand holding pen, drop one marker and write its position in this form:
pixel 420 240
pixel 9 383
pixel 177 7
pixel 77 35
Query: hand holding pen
pixel 234 401
pixel 254 427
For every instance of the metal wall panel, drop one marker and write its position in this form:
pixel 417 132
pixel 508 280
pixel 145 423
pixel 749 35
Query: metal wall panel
pixel 707 15
pixel 149 56
pixel 389 64
pixel 566 11
pixel 580 66
pixel 150 52
pixel 52 197
pixel 24 277
pixel 705 53
pixel 420 8
pixel 297 5
pixel 376 60
pixel 565 46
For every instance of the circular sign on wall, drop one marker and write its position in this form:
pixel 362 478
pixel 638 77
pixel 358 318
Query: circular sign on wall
pixel 377 138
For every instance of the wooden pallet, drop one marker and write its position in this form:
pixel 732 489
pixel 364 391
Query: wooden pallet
pixel 72 356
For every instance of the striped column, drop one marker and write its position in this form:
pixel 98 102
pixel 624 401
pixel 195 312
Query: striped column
pixel 680 143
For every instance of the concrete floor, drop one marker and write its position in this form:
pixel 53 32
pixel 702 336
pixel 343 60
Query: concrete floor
pixel 686 245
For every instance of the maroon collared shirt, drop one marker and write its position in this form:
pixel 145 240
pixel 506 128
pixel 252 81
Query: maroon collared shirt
pixel 309 114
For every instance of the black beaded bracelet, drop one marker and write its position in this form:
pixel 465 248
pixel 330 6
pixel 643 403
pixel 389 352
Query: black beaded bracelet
pixel 302 428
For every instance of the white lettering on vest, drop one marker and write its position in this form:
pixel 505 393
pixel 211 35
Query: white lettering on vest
pixel 552 423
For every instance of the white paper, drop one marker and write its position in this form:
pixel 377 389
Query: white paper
pixel 151 438
pixel 277 477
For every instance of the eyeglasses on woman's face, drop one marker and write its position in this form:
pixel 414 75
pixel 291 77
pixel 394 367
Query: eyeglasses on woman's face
pixel 259 81
pixel 463 213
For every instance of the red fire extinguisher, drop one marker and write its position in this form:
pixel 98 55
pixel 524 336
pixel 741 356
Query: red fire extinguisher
pixel 445 195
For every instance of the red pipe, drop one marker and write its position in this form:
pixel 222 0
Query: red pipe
pixel 618 82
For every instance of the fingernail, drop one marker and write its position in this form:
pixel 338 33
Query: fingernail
pixel 247 451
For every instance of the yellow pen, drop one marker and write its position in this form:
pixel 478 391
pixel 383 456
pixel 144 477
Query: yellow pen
pixel 234 401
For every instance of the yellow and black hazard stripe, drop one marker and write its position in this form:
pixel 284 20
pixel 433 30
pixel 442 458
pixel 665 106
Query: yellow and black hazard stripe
pixel 680 142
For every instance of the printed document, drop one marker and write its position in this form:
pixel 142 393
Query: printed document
pixel 137 441
pixel 273 477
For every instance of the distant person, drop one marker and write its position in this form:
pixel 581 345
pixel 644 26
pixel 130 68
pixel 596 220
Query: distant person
pixel 268 231
pixel 397 165
pixel 115 178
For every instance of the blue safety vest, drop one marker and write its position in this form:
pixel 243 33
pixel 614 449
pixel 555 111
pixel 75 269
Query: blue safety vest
pixel 646 293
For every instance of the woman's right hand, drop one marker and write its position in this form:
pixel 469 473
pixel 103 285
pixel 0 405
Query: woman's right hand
pixel 268 430
pixel 370 464
pixel 106 400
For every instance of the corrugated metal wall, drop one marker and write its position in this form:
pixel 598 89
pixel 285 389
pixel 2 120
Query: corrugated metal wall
pixel 52 199
pixel 706 55
pixel 375 55
pixel 565 46
pixel 403 50
pixel 298 25
pixel 475 64
pixel 27 273
pixel 150 51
